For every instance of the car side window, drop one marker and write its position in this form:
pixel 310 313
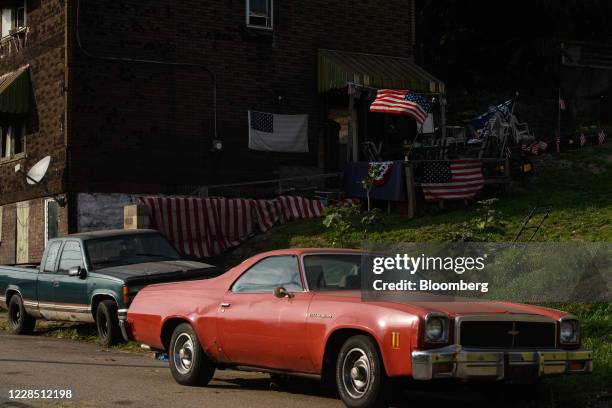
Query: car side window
pixel 72 256
pixel 270 273
pixel 52 253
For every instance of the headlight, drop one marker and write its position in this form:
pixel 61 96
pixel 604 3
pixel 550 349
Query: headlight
pixel 436 329
pixel 569 331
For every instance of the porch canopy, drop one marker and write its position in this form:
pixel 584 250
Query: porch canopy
pixel 15 92
pixel 339 68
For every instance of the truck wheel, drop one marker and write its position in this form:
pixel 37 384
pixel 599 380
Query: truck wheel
pixel 188 362
pixel 19 320
pixel 360 375
pixel 107 323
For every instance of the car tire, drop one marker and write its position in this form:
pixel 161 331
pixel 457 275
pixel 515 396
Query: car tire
pixel 19 321
pixel 360 374
pixel 107 323
pixel 188 362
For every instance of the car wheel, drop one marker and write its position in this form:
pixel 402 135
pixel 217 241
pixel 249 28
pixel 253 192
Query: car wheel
pixel 188 362
pixel 107 323
pixel 18 319
pixel 360 375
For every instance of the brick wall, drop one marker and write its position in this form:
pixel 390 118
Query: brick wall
pixel 146 128
pixel 44 53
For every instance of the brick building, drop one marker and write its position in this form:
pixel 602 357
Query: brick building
pixel 122 94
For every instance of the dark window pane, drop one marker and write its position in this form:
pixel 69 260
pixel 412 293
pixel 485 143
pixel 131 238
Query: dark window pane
pixel 71 257
pixel 52 219
pixel 259 6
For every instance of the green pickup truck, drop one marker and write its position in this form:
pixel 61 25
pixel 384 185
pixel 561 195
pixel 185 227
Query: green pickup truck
pixel 92 278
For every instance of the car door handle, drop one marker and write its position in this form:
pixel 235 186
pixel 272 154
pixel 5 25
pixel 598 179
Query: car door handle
pixel 225 305
pixel 56 284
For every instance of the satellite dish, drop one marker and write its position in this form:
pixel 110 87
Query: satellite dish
pixel 38 171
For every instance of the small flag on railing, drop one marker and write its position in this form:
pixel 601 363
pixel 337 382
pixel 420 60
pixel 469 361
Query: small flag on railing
pixel 582 140
pixel 535 147
pixel 601 137
pixel 562 104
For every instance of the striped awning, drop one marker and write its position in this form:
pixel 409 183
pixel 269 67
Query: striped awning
pixel 15 91
pixel 338 68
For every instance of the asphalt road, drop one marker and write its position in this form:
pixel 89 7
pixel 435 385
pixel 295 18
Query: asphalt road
pixel 109 378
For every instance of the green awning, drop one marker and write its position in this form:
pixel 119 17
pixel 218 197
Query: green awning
pixel 338 68
pixel 15 91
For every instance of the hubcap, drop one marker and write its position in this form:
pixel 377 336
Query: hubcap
pixel 356 373
pixel 15 314
pixel 183 353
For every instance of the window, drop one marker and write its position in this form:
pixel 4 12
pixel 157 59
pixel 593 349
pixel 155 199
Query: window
pixel 71 257
pixel 260 13
pixel 12 140
pixel 51 258
pixel 51 219
pixel 13 17
pixel 269 274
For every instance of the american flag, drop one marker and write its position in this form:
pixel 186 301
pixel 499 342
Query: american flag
pixel 601 137
pixel 452 180
pixel 402 102
pixel 583 140
pixel 535 147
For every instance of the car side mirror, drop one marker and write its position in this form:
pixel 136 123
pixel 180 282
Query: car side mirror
pixel 77 272
pixel 281 293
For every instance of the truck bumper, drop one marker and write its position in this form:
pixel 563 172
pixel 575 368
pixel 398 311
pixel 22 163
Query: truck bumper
pixel 122 315
pixel 512 365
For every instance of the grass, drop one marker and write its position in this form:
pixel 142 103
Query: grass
pixel 71 331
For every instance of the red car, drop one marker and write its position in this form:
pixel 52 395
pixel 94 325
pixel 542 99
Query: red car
pixel 299 312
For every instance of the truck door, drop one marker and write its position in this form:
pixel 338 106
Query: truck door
pixel 46 276
pixel 70 298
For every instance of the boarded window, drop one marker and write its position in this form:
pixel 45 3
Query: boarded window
pixel 23 229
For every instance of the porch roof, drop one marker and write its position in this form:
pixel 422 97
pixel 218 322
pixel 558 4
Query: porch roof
pixel 338 68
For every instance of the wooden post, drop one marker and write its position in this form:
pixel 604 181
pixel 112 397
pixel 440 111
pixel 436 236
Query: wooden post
pixel 410 189
pixel 507 168
pixel 353 147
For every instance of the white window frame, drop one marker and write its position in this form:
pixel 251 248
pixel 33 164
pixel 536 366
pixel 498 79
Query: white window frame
pixel 10 142
pixel 13 24
pixel 270 19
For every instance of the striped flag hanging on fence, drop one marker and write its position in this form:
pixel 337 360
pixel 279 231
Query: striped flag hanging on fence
pixel 204 227
pixel 452 180
pixel 583 140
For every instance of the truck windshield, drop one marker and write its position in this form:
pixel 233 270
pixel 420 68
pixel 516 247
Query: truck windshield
pixel 128 250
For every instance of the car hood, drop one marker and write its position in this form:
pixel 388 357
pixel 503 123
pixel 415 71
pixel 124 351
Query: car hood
pixel 154 268
pixel 448 305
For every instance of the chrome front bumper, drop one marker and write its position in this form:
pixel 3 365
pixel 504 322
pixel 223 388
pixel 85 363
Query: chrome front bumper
pixel 122 315
pixel 475 364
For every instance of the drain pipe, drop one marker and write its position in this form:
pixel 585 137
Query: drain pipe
pixel 155 62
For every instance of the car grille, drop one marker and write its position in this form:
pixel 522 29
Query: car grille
pixel 507 334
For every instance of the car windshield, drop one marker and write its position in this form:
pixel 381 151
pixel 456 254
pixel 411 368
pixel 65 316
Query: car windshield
pixel 129 249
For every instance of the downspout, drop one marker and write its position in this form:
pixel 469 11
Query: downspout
pixel 155 62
